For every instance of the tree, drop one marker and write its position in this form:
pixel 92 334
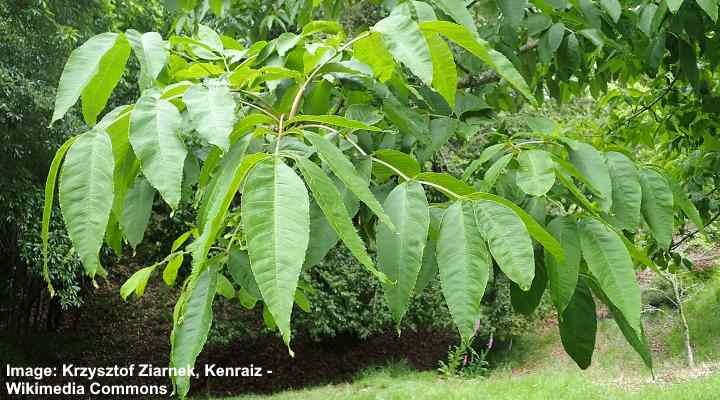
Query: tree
pixel 252 126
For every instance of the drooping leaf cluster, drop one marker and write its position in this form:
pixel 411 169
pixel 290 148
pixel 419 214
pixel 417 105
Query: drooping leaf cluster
pixel 296 143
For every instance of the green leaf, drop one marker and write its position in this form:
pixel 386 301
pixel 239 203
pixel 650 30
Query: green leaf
pixel 334 120
pixel 406 43
pixel 550 41
pixel 563 276
pixel 97 91
pixel 445 80
pixel 302 301
pixel 191 324
pixel 372 51
pixel 171 270
pixel 613 8
pixel 526 302
pixel 82 65
pixel 674 5
pixel 578 326
pixel 513 11
pixel 86 195
pixel 154 128
pixel 492 173
pixel 136 283
pixel 447 184
pixel 681 199
pixel 626 191
pixel 536 175
pixel 275 214
pixel 591 163
pixel 150 50
pixel 403 162
pixel 235 166
pixel 429 263
pixel 646 17
pixel 609 261
pixel 537 24
pixel 637 340
pixel 225 287
pixel 442 130
pixel 657 206
pixel 211 108
pixel 710 7
pixel 48 206
pixel 534 228
pixel 487 153
pixel 400 253
pixel 345 170
pixel 458 11
pixel 137 210
pixel 319 26
pixel 464 264
pixel 481 49
pixel 331 202
pixel 509 241
pixel 241 272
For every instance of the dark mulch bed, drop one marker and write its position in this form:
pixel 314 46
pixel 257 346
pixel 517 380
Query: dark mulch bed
pixel 107 331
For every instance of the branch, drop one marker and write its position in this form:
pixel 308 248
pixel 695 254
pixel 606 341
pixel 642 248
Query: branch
pixel 645 107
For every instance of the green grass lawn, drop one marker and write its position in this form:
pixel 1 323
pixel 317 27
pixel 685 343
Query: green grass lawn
pixel 537 368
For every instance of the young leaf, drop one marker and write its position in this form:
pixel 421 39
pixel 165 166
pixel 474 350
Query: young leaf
pixel 331 202
pixel 400 253
pixel 345 170
pixel 481 49
pixel 591 163
pixel 98 90
pixel 372 51
pixel 171 270
pixel 609 261
pixel 48 205
pixel 86 195
pixel 563 276
pixel 445 80
pixel 154 127
pixel 626 191
pixel 192 318
pixel 464 264
pixel 406 43
pixel 275 214
pixel 509 241
pixel 657 206
pixel 136 283
pixel 82 65
pixel 137 210
pixel 211 108
pixel 536 175
pixel 578 326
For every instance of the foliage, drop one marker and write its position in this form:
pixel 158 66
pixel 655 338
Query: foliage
pixel 313 108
